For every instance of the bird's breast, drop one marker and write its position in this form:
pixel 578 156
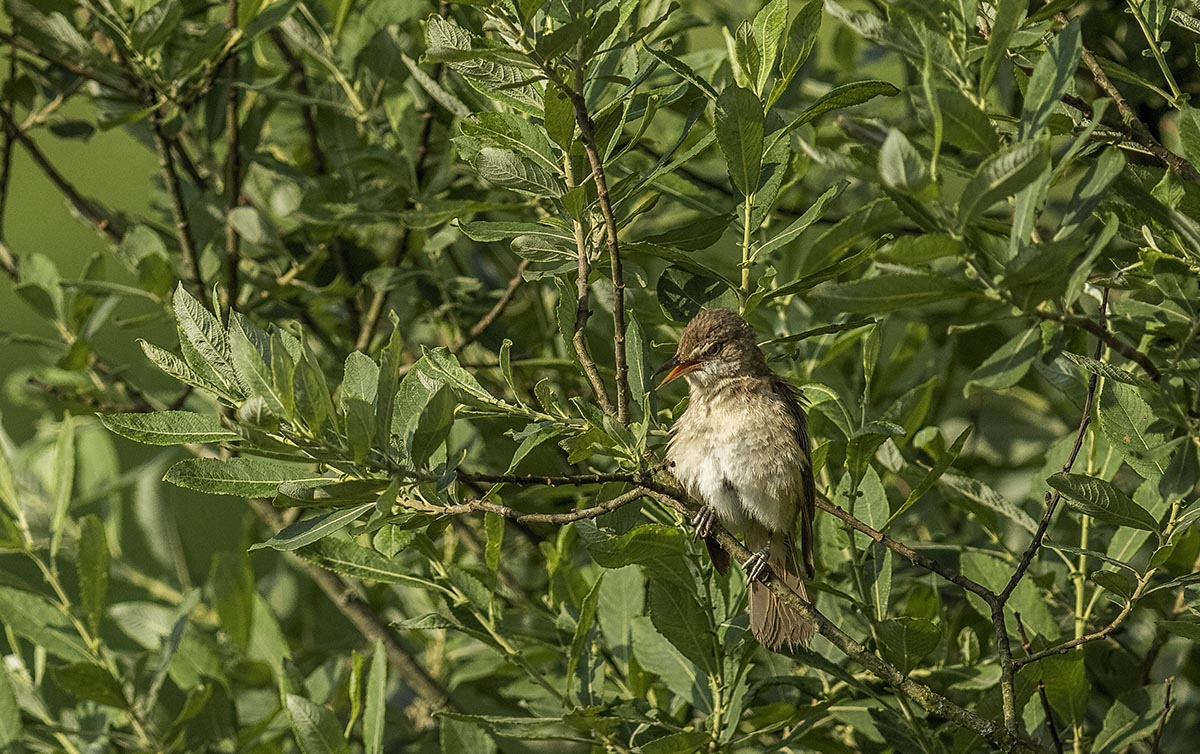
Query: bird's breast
pixel 739 454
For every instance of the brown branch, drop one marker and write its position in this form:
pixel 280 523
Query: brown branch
pixel 488 319
pixel 179 211
pixel 1137 129
pixel 20 43
pixel 1110 339
pixel 1041 688
pixel 906 552
pixel 929 699
pixel 579 514
pixel 1168 704
pixel 233 170
pixel 1052 498
pixel 583 310
pixel 86 208
pixel 347 601
pixel 587 135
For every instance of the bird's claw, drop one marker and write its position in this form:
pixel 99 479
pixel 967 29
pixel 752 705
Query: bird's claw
pixel 703 521
pixel 758 564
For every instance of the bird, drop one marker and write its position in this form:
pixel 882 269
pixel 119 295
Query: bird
pixel 741 448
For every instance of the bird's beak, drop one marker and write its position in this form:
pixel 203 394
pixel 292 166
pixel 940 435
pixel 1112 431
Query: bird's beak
pixel 674 369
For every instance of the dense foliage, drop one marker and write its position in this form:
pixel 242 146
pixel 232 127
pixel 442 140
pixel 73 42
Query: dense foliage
pixel 423 260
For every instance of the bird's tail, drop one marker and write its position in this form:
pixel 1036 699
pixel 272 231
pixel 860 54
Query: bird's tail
pixel 772 622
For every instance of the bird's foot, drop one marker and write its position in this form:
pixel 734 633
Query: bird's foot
pixel 703 521
pixel 758 565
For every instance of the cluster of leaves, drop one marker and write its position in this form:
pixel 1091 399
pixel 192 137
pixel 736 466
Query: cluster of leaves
pixel 931 254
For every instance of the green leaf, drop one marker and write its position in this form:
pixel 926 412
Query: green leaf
pixel 801 38
pixel 1008 364
pixel 153 27
pixel 168 427
pixel 768 25
pixel 977 492
pixel 346 557
pixel 315 728
pixel 1067 685
pixel 622 598
pixel 33 618
pixel 1133 717
pixel 559 117
pixel 376 703
pixel 739 127
pixel 901 165
pixel 243 476
pixel 1106 370
pixel 1001 176
pixel 252 364
pixel 459 737
pixel 231 584
pixel 1009 16
pixel 943 463
pixel 686 742
pixel 92 564
pixel 1125 419
pixel 648 544
pixel 682 294
pixel 1099 499
pixel 83 680
pixel 309 530
pixel 506 168
pixel 204 344
pixel 657 655
pixel 802 223
pixel 11 727
pixel 905 642
pixel 891 292
pixel 583 628
pixel 1054 72
pixel 838 98
pixel 493 526
pixel 64 481
pixel 679 617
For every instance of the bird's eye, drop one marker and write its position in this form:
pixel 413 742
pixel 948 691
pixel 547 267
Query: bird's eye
pixel 712 350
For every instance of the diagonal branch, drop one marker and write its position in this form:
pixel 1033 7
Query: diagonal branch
pixel 89 210
pixel 179 211
pixel 488 319
pixel 233 170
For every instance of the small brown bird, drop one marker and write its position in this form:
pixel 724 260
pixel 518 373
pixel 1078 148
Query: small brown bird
pixel 741 448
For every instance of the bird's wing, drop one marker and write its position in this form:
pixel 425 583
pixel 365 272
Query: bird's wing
pixel 808 488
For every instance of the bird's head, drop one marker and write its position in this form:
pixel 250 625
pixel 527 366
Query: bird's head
pixel 716 344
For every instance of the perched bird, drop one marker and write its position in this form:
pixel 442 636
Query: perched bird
pixel 741 448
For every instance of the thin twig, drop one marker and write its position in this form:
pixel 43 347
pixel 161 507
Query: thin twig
pixel 179 211
pixel 347 601
pixel 1138 130
pixel 1110 339
pixel 906 552
pixel 488 319
pixel 233 170
pixel 1041 688
pixel 86 208
pixel 1168 704
pixel 583 309
pixel 929 699
pixel 23 44
pixel 7 260
pixel 1052 498
pixel 587 135
pixel 579 514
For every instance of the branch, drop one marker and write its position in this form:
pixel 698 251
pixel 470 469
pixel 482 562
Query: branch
pixel 86 208
pixel 233 170
pixel 7 261
pixel 608 506
pixel 1052 498
pixel 587 135
pixel 347 601
pixel 907 552
pixel 929 699
pixel 582 308
pixel 1110 339
pixel 1168 705
pixel 1041 688
pixel 1137 129
pixel 494 313
pixel 179 212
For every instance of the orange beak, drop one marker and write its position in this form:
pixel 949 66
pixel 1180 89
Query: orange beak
pixel 675 369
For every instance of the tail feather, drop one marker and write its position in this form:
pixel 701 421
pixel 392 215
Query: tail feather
pixel 772 622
